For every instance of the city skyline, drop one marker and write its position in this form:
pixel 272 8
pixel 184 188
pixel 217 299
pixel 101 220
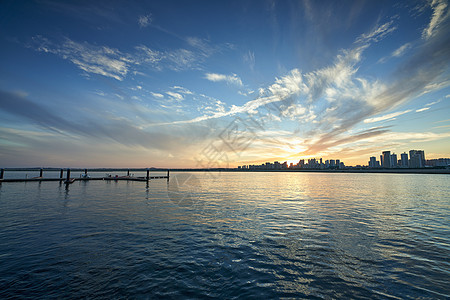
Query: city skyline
pixel 388 160
pixel 221 84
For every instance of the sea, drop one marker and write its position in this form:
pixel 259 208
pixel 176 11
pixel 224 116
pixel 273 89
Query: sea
pixel 228 235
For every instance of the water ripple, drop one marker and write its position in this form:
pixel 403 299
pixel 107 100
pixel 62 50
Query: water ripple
pixel 270 235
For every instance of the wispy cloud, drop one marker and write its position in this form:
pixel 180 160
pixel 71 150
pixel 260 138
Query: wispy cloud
pixel 204 46
pixel 157 95
pixel 433 103
pixel 378 33
pixel 145 20
pixel 428 105
pixel 113 63
pixel 230 79
pixel 443 126
pixel 182 90
pixel 387 117
pixel 397 52
pixel 149 56
pixel 401 50
pixel 440 14
pixel 175 96
pixel 249 59
pixel 100 60
pixel 181 59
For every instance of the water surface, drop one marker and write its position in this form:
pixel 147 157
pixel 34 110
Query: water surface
pixel 228 235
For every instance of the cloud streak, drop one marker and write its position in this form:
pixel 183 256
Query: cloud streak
pixel 440 15
pixel 401 50
pixel 387 117
pixel 113 63
pixel 99 60
pixel 230 79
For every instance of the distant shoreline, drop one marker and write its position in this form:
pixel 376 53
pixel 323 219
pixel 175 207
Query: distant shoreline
pixel 386 171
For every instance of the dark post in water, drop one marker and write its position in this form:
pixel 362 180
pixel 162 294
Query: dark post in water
pixel 2 172
pixel 41 172
pixel 148 174
pixel 61 174
pixel 128 173
pixel 168 171
pixel 68 174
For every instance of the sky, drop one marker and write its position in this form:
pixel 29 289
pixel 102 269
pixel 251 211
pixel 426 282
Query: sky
pixel 195 84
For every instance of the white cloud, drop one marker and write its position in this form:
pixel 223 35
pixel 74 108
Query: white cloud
pixel 401 50
pixel 294 111
pixel 288 85
pixel 396 53
pixel 157 95
pixel 182 90
pixel 390 116
pixel 104 61
pixel 428 106
pixel 111 62
pixel 440 14
pixel 433 103
pixel 176 96
pixel 377 33
pixel 144 21
pixel 422 109
pixel 149 56
pixel 230 79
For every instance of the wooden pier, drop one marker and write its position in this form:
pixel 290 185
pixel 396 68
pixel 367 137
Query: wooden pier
pixel 68 179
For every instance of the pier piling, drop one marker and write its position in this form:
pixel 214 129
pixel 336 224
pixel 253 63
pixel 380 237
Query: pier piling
pixel 41 172
pixel 128 172
pixel 168 171
pixel 2 173
pixel 68 174
pixel 148 174
pixel 61 174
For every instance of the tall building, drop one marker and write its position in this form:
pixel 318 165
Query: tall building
pixel 394 160
pixel 301 163
pixel 386 159
pixel 373 163
pixel 404 160
pixel 416 159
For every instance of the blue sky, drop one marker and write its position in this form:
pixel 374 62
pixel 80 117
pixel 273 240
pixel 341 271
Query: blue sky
pixel 221 83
